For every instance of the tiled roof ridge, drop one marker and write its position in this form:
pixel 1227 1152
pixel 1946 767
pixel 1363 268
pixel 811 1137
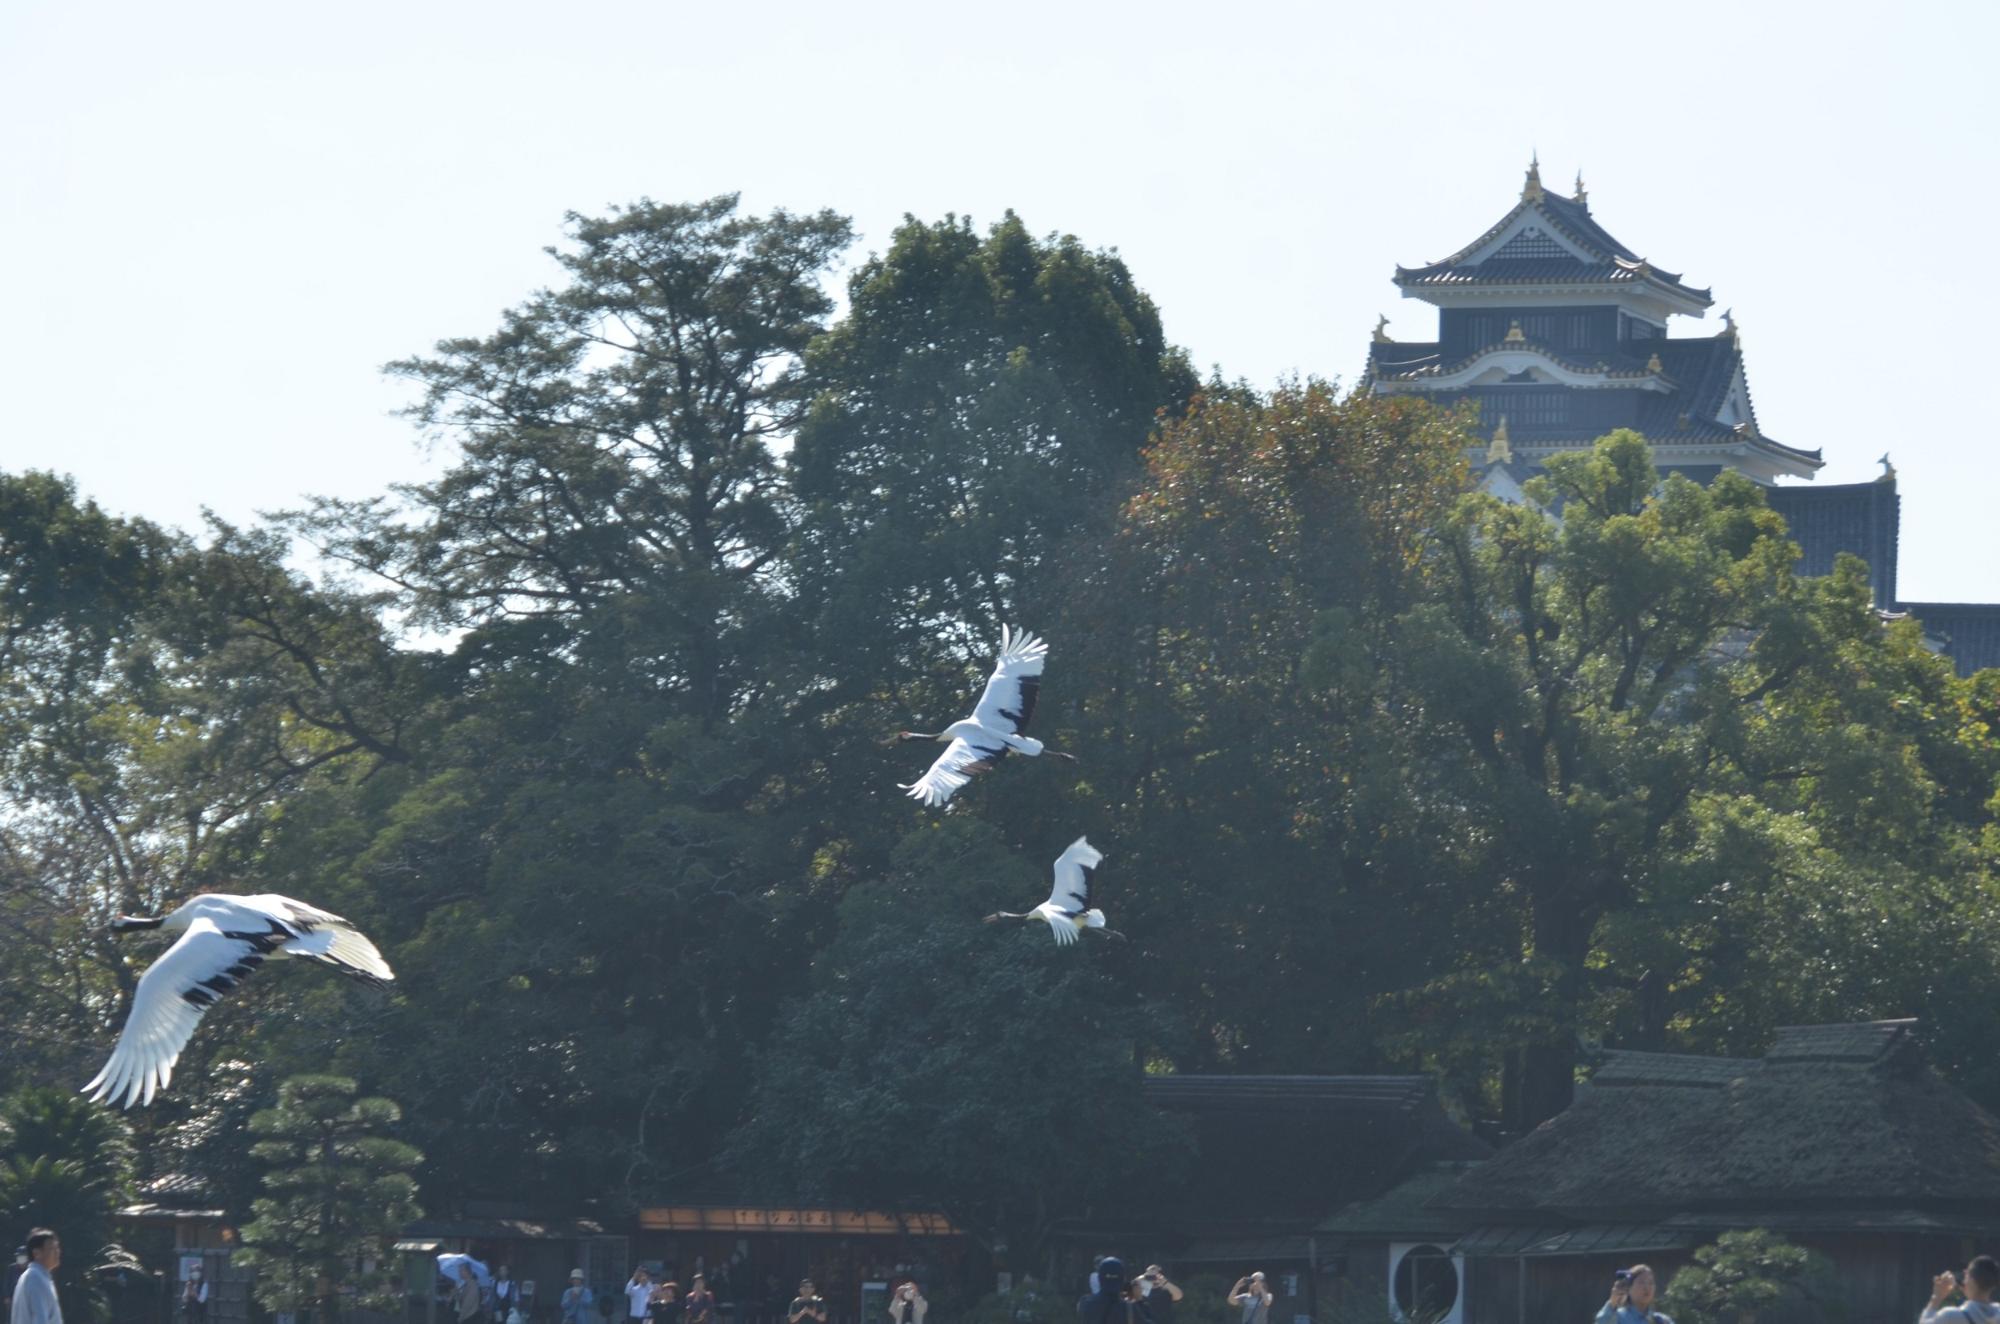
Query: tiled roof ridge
pixel 1547 351
pixel 1848 1041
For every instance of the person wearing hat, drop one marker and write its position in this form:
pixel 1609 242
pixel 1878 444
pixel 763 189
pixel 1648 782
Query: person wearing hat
pixel 1253 1296
pixel 699 1308
pixel 1112 1301
pixel 576 1300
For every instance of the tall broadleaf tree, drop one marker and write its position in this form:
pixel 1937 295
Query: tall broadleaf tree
pixel 980 413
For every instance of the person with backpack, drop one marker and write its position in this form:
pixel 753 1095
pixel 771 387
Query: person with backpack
pixel 1982 1280
pixel 1633 1291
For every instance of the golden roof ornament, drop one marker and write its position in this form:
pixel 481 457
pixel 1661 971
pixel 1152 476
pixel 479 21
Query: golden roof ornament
pixel 1382 336
pixel 1515 336
pixel 1500 451
pixel 1531 187
pixel 1888 469
pixel 1582 194
pixel 1654 365
pixel 1729 327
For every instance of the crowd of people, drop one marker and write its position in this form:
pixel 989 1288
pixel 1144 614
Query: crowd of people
pixel 1150 1296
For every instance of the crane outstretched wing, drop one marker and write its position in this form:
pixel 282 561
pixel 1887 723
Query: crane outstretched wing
pixel 324 937
pixel 1073 867
pixel 1064 928
pixel 188 978
pixel 954 768
pixel 1009 701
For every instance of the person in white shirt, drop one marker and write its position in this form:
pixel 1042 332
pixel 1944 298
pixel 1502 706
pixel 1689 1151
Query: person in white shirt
pixel 35 1300
pixel 1253 1297
pixel 1982 1280
pixel 639 1294
pixel 194 1297
pixel 506 1294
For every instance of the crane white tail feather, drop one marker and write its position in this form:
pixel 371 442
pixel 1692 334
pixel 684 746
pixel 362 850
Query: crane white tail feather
pixel 344 949
pixel 1091 919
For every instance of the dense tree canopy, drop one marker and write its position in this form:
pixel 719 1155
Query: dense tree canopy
pixel 1391 775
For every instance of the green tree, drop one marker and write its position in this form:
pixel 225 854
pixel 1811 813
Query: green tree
pixel 1603 694
pixel 1228 642
pixel 1740 1275
pixel 941 1063
pixel 983 401
pixel 980 413
pixel 160 698
pixel 67 1166
pixel 591 855
pixel 338 1187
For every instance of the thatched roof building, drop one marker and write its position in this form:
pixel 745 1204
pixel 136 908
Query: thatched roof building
pixel 1838 1126
pixel 1841 1138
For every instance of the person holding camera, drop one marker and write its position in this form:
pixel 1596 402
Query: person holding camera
pixel 699 1306
pixel 1160 1294
pixel 907 1304
pixel 1254 1296
pixel 807 1307
pixel 1982 1281
pixel 1632 1293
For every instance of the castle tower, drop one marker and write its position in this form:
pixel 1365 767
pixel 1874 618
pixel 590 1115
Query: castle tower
pixel 1550 323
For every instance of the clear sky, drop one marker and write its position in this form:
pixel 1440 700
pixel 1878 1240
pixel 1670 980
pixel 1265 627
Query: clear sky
pixel 218 220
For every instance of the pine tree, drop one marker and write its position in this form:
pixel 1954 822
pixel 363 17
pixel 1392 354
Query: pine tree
pixel 338 1186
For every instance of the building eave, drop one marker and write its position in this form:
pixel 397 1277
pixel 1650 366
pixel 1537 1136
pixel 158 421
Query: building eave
pixel 1568 371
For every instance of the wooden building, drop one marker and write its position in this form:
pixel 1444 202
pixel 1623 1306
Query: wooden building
pixel 1841 1138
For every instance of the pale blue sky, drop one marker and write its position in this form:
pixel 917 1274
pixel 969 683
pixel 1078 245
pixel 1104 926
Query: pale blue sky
pixel 220 219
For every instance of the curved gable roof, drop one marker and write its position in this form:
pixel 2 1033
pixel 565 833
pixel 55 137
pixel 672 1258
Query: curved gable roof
pixel 1611 261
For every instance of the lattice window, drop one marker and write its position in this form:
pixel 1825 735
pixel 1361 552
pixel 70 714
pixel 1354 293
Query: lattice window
pixel 1538 408
pixel 1531 243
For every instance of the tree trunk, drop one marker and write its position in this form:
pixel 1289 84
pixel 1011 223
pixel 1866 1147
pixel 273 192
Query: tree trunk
pixel 1539 1078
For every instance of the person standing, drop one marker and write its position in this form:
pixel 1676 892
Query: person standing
pixel 699 1308
pixel 1160 1293
pixel 466 1305
pixel 35 1299
pixel 1633 1291
pixel 908 1305
pixel 666 1302
pixel 194 1297
pixel 576 1300
pixel 506 1294
pixel 1982 1281
pixel 1108 1300
pixel 806 1307
pixel 639 1296
pixel 1254 1297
